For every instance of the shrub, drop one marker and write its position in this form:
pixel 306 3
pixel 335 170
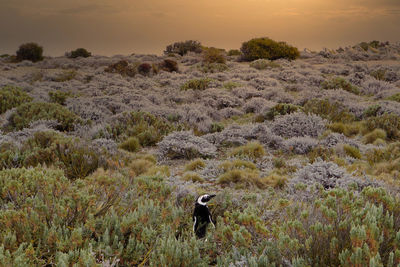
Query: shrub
pixel 11 97
pixel 352 151
pixel 146 127
pixel 340 83
pixel 262 64
pixel 79 52
pixel 259 48
pixel 374 135
pixel 185 145
pixel 214 55
pixel 280 109
pixel 231 85
pixel 59 97
pixel 298 124
pixel 65 76
pixel 140 166
pixel 182 48
pixel 169 65
pixel 30 51
pixel 395 97
pixel 29 112
pixel 252 150
pixel 390 123
pixel 234 52
pixel 196 84
pixel 195 165
pixel 131 144
pixel 212 67
pixel 122 67
pixel 331 111
pixel 192 176
pixel 144 69
pixel 372 111
pixel 378 74
pixel 300 145
pixel 237 164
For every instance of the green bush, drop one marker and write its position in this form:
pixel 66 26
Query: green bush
pixel 212 67
pixel 195 164
pixel 262 64
pixel 79 52
pixel 30 51
pixel 332 111
pixel 11 97
pixel 372 110
pixel 182 48
pixel 390 123
pixel 196 84
pixel 59 97
pixel 146 127
pixel 267 48
pixel 214 55
pixel 66 75
pixel 280 109
pixel 340 83
pixel 193 177
pixel 29 112
pixel 374 135
pixel 131 144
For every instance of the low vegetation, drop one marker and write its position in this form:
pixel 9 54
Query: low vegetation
pixel 11 97
pixel 79 52
pixel 266 48
pixel 30 51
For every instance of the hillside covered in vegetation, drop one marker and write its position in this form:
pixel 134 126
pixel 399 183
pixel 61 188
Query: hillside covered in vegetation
pixel 102 158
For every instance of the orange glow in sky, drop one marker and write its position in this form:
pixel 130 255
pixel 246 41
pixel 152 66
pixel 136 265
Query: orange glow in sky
pixel 146 26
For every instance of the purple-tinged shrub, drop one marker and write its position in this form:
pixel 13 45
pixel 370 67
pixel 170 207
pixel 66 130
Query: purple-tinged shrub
pixel 300 145
pixel 185 145
pixel 298 124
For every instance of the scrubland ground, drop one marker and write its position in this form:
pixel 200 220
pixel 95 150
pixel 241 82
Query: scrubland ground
pixel 101 160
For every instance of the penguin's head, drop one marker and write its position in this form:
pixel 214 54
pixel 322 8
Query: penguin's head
pixel 203 199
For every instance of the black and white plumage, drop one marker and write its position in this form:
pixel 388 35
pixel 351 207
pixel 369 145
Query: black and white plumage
pixel 202 215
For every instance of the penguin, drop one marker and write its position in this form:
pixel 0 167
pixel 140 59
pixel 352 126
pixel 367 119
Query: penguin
pixel 202 215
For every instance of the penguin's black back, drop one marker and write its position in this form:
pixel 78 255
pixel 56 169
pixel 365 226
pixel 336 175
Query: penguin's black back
pixel 201 217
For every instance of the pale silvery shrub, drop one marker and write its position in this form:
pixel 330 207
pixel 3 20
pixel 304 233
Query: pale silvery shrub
pixel 185 145
pixel 298 124
pixel 372 86
pixel 300 145
pixel 257 105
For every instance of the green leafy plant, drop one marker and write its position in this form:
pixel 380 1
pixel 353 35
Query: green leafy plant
pixel 214 55
pixel 182 48
pixel 11 97
pixel 266 48
pixel 79 52
pixel 196 84
pixel 30 51
pixel 59 97
pixel 340 83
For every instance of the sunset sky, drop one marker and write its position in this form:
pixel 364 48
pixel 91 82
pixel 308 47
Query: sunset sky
pixel 110 27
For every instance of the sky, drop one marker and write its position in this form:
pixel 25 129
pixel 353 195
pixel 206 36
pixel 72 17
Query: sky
pixel 111 27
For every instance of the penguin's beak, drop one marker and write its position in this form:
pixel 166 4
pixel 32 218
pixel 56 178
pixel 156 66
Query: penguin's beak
pixel 211 196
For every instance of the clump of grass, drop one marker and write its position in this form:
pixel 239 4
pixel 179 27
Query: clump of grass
pixel 395 97
pixel 242 177
pixel 340 83
pixel 216 127
pixel 278 163
pixel 275 180
pixel 379 74
pixel 195 165
pixel 374 135
pixel 196 84
pixel 234 52
pixel 262 64
pixel 252 150
pixel 192 176
pixel 372 111
pixel 140 166
pixel 11 97
pixel 348 129
pixel 237 164
pixel 131 144
pixel 212 67
pixel 352 151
